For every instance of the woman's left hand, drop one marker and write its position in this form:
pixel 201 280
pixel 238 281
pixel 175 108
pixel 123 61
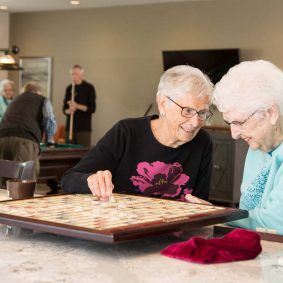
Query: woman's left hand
pixel 192 199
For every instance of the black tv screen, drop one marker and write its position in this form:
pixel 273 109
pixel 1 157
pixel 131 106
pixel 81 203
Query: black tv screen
pixel 213 62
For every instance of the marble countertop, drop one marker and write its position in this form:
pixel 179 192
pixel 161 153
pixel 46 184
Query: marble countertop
pixel 44 258
pixel 47 258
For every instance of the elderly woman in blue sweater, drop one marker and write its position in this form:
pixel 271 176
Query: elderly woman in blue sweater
pixel 250 96
pixel 7 90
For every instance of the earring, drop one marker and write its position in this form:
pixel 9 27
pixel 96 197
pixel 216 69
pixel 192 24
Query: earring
pixel 161 115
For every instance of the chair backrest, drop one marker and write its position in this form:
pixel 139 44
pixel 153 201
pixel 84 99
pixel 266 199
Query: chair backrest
pixel 16 169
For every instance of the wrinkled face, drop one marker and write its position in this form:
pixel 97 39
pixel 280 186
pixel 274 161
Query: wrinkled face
pixel 256 130
pixel 77 75
pixel 8 91
pixel 181 129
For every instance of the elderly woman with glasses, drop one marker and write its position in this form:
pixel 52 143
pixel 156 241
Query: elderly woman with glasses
pixel 166 155
pixel 250 96
pixel 6 95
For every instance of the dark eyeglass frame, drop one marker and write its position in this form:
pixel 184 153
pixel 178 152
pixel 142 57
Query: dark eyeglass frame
pixel 208 113
pixel 239 123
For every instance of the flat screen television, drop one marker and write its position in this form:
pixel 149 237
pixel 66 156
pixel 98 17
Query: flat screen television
pixel 213 62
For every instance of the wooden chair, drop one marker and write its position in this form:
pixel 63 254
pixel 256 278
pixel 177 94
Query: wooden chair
pixel 10 169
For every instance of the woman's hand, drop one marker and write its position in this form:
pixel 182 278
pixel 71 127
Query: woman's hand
pixel 192 199
pixel 101 184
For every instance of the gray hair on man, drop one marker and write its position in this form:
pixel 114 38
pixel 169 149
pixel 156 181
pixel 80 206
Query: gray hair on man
pixel 250 86
pixel 183 79
pixel 77 66
pixel 33 87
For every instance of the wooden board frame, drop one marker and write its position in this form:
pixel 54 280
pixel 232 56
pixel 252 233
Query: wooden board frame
pixel 123 233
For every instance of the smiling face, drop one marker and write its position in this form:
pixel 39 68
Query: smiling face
pixel 258 131
pixel 176 129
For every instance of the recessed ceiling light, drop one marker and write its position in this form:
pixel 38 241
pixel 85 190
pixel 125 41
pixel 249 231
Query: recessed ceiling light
pixel 3 8
pixel 75 2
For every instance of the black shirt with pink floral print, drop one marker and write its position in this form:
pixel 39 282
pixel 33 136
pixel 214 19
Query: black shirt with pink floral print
pixel 141 165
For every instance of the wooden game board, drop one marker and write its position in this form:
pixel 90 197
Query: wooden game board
pixel 127 218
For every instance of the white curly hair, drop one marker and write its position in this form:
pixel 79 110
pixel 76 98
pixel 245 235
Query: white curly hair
pixel 250 86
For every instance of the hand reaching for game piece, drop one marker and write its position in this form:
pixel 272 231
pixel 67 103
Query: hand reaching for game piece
pixel 101 184
pixel 192 199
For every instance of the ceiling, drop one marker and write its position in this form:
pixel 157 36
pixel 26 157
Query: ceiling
pixel 17 6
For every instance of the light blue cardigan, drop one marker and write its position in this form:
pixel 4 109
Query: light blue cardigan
pixel 3 107
pixel 266 205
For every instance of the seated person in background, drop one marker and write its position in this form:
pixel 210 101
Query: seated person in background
pixel 22 126
pixel 250 96
pixel 7 89
pixel 167 156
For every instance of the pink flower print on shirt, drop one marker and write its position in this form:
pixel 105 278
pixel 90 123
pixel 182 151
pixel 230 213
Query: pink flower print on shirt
pixel 160 179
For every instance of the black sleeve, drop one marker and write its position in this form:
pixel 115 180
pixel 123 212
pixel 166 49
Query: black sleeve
pixel 91 106
pixel 203 184
pixel 104 156
pixel 66 99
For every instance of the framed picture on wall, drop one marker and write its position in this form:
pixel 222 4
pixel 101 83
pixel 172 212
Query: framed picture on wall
pixel 36 69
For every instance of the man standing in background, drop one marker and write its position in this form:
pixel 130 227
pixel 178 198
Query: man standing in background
pixel 80 107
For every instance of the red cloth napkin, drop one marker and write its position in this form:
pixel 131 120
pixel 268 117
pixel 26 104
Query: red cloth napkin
pixel 240 244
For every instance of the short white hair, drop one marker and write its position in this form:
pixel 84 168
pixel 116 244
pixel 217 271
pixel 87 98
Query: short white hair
pixel 184 79
pixel 250 86
pixel 78 67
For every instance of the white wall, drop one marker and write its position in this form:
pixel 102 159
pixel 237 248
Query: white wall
pixel 4 37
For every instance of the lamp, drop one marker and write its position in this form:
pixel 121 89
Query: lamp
pixel 7 61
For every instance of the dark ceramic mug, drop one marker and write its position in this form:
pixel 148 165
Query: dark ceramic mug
pixel 20 189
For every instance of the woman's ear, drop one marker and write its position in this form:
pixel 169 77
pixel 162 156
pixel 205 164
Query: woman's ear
pixel 161 104
pixel 274 113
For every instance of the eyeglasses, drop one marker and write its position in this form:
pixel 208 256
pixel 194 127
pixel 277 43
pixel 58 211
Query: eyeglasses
pixel 239 123
pixel 191 112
